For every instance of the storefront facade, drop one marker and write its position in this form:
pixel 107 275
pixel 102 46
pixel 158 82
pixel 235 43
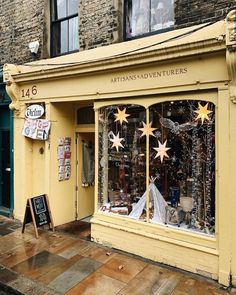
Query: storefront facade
pixel 163 140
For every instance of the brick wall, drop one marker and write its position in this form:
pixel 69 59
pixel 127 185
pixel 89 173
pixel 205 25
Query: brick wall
pixel 21 22
pixel 100 23
pixel 190 12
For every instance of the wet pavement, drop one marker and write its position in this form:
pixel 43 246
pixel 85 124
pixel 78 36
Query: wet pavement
pixel 61 262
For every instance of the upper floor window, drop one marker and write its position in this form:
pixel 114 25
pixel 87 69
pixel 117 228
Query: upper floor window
pixel 146 16
pixel 64 29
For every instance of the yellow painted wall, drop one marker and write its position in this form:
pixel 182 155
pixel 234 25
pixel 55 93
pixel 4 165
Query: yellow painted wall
pixel 232 189
pixel 23 167
pixel 61 193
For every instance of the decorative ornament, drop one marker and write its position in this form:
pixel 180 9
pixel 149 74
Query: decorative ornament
pixel 202 112
pixel 121 116
pixel 161 150
pixel 157 134
pixel 175 127
pixel 101 118
pixel 147 129
pixel 116 140
pixel 181 110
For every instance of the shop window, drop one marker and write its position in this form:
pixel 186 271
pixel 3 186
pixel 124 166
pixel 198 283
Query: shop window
pixel 147 16
pixel 122 158
pixel 181 161
pixel 64 28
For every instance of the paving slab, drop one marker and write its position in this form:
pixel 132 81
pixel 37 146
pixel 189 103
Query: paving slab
pixel 97 284
pixel 75 274
pixel 63 263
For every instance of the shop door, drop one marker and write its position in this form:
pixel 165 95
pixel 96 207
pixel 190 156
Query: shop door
pixel 5 169
pixel 85 174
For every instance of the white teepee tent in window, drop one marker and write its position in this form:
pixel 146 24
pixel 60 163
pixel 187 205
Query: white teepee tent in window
pixel 158 201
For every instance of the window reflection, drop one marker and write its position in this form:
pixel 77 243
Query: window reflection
pixel 122 158
pixel 145 16
pixel 181 164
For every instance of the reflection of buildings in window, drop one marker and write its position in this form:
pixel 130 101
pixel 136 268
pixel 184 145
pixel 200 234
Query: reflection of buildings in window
pixel 161 15
pixel 140 17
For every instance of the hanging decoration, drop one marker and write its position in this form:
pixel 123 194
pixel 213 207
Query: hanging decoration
pixel 202 112
pixel 116 141
pixel 175 127
pixel 121 116
pixel 181 110
pixel 161 150
pixel 147 129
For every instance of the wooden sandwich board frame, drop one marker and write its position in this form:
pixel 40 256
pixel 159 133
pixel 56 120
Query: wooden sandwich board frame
pixel 38 211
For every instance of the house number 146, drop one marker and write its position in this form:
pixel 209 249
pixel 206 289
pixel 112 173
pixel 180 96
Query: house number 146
pixel 29 91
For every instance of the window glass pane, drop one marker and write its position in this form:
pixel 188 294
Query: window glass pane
pixel 162 14
pixel 128 12
pixel 73 34
pixel 61 9
pixel 140 17
pixel 56 29
pixel 182 163
pixel 72 7
pixel 64 37
pixel 122 161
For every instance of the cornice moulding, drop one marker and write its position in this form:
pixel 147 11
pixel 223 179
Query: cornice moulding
pixel 43 72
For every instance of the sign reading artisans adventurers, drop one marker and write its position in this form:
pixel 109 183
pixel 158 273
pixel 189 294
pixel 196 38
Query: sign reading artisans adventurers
pixel 38 211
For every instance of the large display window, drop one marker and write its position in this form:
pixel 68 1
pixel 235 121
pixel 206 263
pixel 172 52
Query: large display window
pixel 157 164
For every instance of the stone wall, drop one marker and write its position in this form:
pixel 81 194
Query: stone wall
pixel 191 12
pixel 100 23
pixel 21 22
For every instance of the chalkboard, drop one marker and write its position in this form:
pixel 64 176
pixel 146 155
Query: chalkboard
pixel 38 211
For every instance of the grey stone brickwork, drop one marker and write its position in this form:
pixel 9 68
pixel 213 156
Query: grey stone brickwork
pixel 21 22
pixel 100 23
pixel 191 12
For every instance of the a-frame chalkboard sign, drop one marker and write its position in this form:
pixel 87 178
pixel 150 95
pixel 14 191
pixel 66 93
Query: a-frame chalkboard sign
pixel 38 211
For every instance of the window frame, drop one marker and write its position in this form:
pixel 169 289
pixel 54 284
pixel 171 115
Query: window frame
pixel 147 105
pixel 53 22
pixel 150 33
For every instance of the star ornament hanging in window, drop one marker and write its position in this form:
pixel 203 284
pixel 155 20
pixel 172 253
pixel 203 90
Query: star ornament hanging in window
pixel 121 116
pixel 116 141
pixel 161 150
pixel 202 112
pixel 147 129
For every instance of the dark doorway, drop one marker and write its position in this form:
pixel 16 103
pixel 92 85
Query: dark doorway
pixel 5 194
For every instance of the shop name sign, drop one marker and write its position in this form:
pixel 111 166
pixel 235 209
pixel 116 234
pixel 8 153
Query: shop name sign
pixel 34 111
pixel 150 75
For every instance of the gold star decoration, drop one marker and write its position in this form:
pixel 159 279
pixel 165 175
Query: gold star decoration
pixel 202 112
pixel 147 129
pixel 121 116
pixel 116 141
pixel 161 150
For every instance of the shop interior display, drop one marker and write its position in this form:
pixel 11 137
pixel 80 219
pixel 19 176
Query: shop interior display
pixel 181 148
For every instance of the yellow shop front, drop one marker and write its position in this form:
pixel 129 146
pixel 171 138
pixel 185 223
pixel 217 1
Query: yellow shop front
pixel 141 137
